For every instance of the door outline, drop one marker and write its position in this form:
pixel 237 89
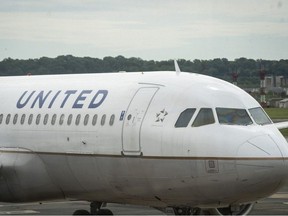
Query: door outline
pixel 127 130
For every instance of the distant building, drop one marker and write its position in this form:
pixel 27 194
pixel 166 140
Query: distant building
pixel 272 82
pixel 280 81
pixel 283 103
pixel 274 102
pixel 269 82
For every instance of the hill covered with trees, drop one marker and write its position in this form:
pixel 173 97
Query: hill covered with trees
pixel 220 68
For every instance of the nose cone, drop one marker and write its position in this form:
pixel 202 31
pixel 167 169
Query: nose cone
pixel 260 166
pixel 260 147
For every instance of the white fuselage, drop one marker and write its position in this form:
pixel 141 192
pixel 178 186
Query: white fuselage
pixel 112 138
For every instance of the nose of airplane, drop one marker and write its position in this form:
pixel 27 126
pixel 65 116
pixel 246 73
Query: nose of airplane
pixel 262 146
pixel 261 166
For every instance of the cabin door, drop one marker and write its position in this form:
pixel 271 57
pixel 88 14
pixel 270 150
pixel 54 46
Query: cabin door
pixel 135 114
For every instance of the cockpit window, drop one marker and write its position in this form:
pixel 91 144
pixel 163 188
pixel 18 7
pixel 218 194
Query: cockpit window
pixel 204 117
pixel 259 116
pixel 184 118
pixel 232 116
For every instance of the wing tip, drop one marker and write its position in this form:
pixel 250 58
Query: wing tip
pixel 281 125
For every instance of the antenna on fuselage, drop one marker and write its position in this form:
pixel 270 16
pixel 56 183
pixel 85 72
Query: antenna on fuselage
pixel 177 69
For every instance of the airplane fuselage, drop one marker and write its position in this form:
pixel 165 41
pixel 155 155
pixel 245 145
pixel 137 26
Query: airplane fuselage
pixel 120 138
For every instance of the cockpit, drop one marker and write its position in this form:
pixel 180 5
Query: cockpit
pixel 225 116
pixel 232 116
pixel 259 116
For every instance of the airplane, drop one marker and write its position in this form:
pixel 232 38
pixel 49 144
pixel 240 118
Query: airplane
pixel 163 139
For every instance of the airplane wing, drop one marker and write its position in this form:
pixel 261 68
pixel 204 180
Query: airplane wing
pixel 281 125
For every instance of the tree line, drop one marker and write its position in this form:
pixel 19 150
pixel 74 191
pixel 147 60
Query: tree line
pixel 222 68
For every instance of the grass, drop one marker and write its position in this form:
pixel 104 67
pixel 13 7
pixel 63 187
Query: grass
pixel 279 113
pixel 284 132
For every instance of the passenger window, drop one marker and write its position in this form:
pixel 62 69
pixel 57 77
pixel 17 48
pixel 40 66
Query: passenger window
pixel 1 118
pixel 15 119
pixel 94 120
pixel 78 119
pixel 53 119
pixel 8 118
pixel 61 120
pixel 45 119
pixel 38 119
pixel 69 119
pixel 103 119
pixel 204 117
pixel 259 116
pixel 23 119
pixel 184 118
pixel 112 118
pixel 30 119
pixel 86 119
pixel 233 116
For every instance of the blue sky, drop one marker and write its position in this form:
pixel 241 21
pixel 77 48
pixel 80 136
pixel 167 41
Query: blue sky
pixel 151 30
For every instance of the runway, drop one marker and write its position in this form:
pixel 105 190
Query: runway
pixel 274 205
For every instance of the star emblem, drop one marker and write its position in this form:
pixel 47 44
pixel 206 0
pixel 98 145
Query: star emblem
pixel 160 116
